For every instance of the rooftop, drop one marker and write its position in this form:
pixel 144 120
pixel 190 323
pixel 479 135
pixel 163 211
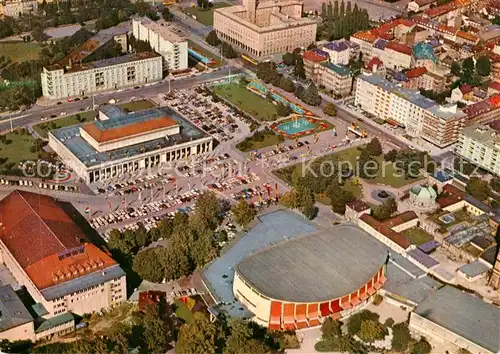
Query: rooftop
pixel 338 69
pixel 398 47
pixel 386 231
pixel 416 72
pixel 315 267
pixel 163 31
pixel 313 56
pixel 463 314
pixel 71 139
pixel 482 133
pixel 128 125
pixel 358 205
pixel 474 269
pixel 337 46
pixel 13 313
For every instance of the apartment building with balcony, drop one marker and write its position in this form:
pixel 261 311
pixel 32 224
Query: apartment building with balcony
pixel 14 8
pixel 163 40
pixel 480 145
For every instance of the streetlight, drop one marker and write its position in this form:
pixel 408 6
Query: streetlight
pixel 170 77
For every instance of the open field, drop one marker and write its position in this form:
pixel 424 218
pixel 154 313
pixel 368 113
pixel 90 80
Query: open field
pixel 247 101
pixel 16 148
pixel 43 128
pixel 206 16
pixel 349 157
pixel 20 51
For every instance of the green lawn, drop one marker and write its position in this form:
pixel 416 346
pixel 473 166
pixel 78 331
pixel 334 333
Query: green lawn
pixel 205 17
pixel 18 150
pixel 20 51
pixel 183 312
pixel 249 144
pixel 348 157
pixel 417 236
pixel 247 101
pixel 88 116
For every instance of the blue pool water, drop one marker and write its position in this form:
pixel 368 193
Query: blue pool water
pixel 198 56
pixel 295 126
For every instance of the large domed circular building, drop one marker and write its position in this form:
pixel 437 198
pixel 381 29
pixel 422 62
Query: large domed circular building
pixel 423 197
pixel 293 284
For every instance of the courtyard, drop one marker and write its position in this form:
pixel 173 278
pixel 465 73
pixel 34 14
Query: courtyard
pixel 417 236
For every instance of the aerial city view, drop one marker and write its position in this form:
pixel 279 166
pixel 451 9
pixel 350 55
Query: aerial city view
pixel 254 176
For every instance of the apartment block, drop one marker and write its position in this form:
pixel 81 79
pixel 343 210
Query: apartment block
pixel 13 8
pixel 335 78
pixel 172 47
pixel 480 145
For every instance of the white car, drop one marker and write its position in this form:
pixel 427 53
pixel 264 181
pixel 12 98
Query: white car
pixel 62 113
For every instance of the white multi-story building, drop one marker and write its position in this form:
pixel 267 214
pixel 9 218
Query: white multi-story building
pixel 420 116
pixel 480 145
pixel 78 79
pixel 13 8
pixel 339 52
pixel 172 47
pixel 127 142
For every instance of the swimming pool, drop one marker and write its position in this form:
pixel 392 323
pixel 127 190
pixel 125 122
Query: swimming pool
pixel 296 126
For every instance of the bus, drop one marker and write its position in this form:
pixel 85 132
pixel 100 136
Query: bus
pixel 250 60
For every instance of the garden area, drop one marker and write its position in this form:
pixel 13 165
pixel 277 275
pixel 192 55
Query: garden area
pixel 259 140
pixel 247 101
pixel 16 147
pixel 205 15
pixel 417 236
pixel 43 128
pixel 20 51
pixel 447 220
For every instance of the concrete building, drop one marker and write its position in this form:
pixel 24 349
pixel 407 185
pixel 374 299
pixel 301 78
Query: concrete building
pixel 420 77
pixel 60 81
pixel 123 143
pixel 458 318
pixel 13 8
pixel 297 283
pixel 172 47
pixel 261 28
pixel 334 78
pixel 339 52
pixel 420 116
pixel 480 145
pixel 16 323
pixel 46 252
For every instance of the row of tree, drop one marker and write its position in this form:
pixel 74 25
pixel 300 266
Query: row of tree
pixel 227 50
pixel 471 73
pixel 340 21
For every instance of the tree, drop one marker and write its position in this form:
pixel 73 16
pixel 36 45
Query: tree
pixel 339 197
pixel 123 242
pixel 401 337
pixel 367 166
pixel 355 321
pixel 175 260
pixel 287 84
pixel 298 69
pixel 167 16
pixel 244 213
pixel 468 68
pixel 374 147
pixel 299 91
pixel 307 204
pixel 291 199
pixel 208 209
pixel 330 109
pixel 200 336
pixel 456 68
pixel 371 331
pixel 478 188
pixel 495 184
pixel 158 329
pixel 421 347
pixel 288 59
pixel 311 95
pixel 241 341
pixel 331 328
pixel 283 110
pixel 212 38
pixel 228 51
pixel 483 65
pixel 391 155
pixel 385 210
pixel 147 264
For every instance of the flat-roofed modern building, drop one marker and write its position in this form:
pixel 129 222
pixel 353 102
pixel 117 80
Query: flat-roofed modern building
pixel 16 323
pixel 461 319
pixel 123 142
pixel 79 79
pixel 480 145
pixel 172 47
pixel 262 28
pixel 296 283
pixel 46 252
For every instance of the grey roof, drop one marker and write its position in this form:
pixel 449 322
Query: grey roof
pixel 112 111
pixel 402 284
pixel 82 282
pixel 465 315
pixel 55 321
pixel 409 266
pixel 13 313
pixel 322 266
pixel 490 255
pixel 83 151
pixel 474 269
pixel 423 258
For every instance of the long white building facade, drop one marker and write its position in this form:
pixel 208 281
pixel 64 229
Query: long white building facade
pixel 172 47
pixel 62 81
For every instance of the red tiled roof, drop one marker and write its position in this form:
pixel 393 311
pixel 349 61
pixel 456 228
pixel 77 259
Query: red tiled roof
pixel 448 200
pixel 313 56
pixel 416 72
pixel 451 189
pixel 467 36
pixel 128 130
pixel 495 85
pixel 495 101
pixel 398 47
pixel 400 219
pixel 465 89
pixel 365 36
pixel 387 231
pixel 358 205
pixel 34 226
pixel 374 61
